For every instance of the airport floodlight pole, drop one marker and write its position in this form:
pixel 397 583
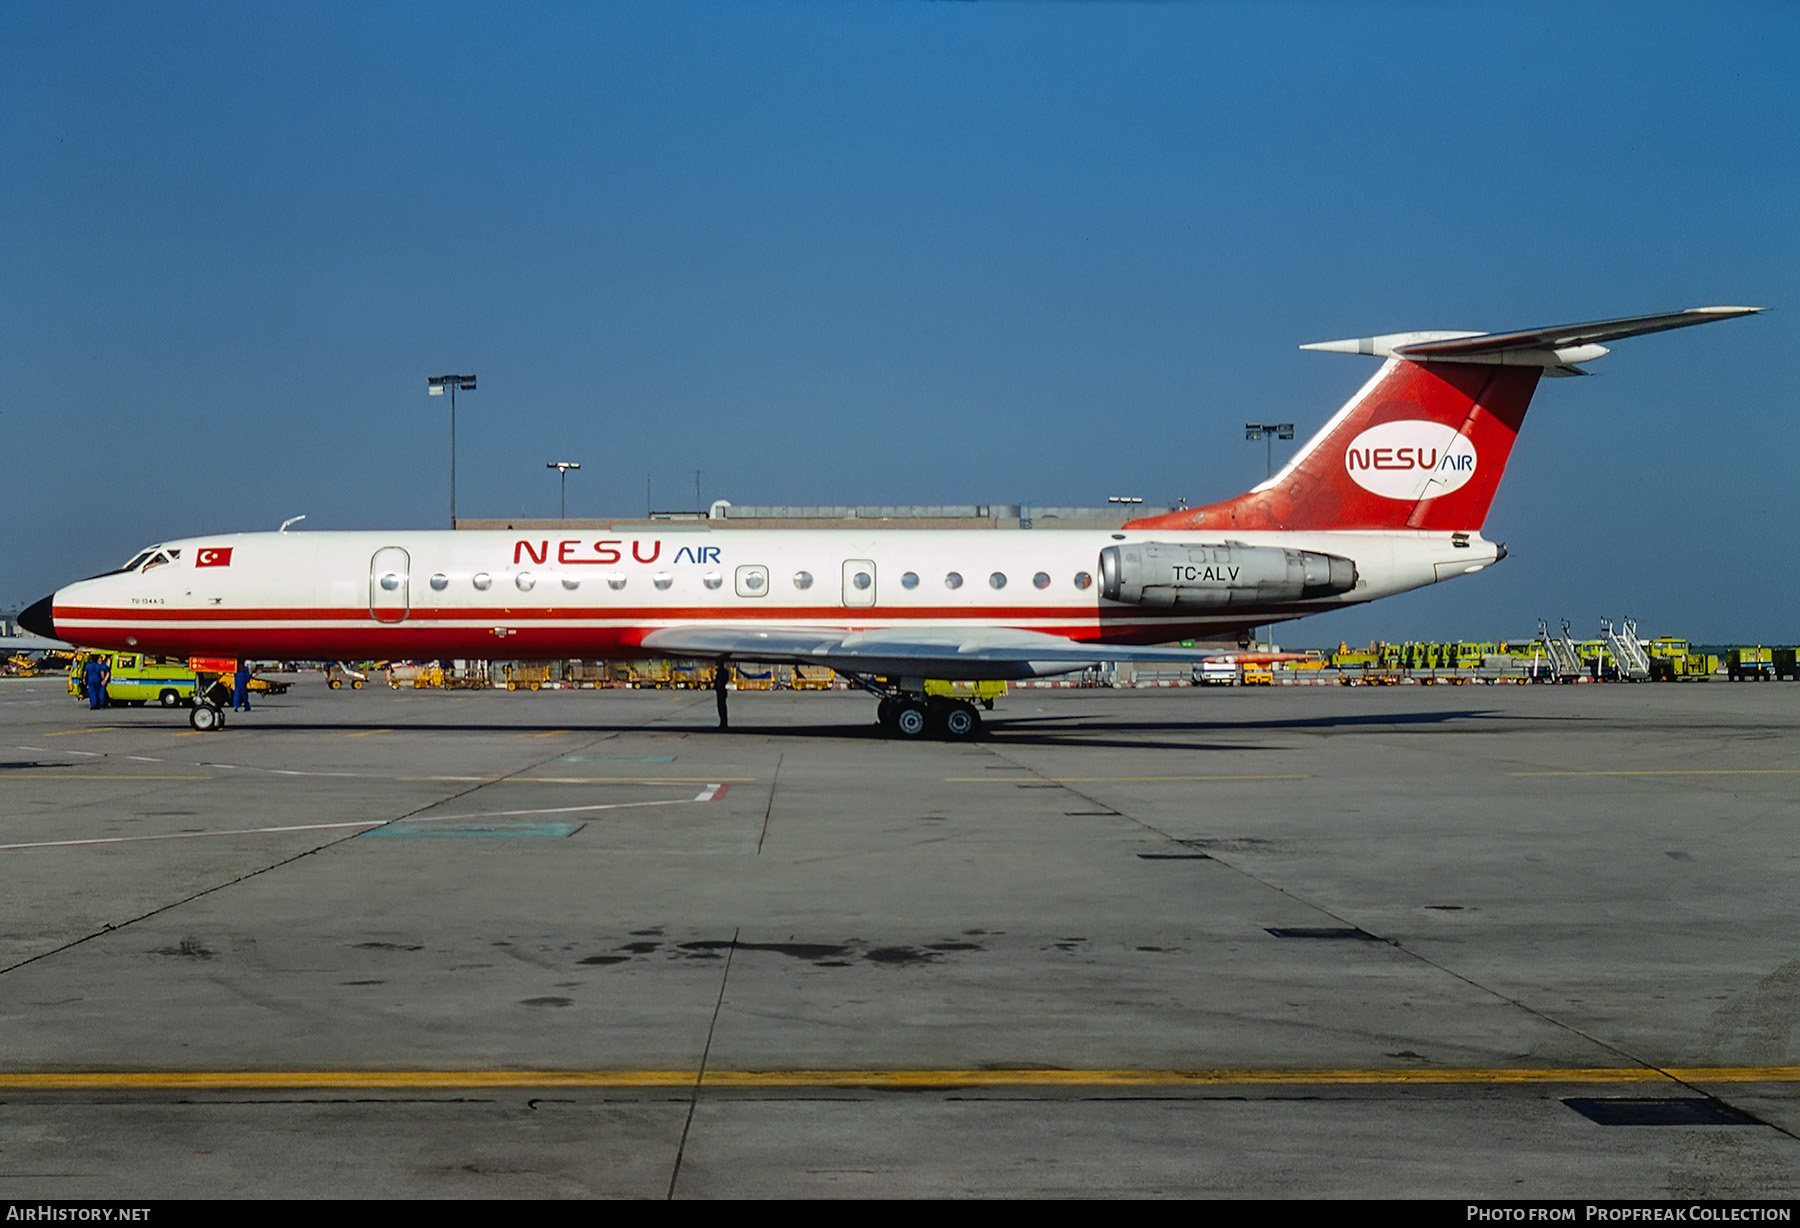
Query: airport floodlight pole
pixel 435 385
pixel 563 467
pixel 1269 432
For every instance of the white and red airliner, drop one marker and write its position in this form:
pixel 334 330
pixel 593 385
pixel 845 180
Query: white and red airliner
pixel 1390 495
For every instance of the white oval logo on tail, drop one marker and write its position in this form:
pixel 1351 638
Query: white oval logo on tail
pixel 1410 459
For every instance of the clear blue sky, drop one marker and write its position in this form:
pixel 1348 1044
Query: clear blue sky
pixel 893 252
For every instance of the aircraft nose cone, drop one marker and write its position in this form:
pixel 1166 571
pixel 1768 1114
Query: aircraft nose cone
pixel 37 619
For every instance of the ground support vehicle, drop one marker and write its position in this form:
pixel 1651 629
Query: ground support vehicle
pixel 468 676
pixel 1683 667
pixel 1787 664
pixel 138 679
pixel 649 675
pixel 524 675
pixel 259 685
pixel 415 677
pixel 690 676
pixel 1750 664
pixel 746 680
pixel 21 665
pixel 812 678
pixel 339 676
pixel 983 693
pixel 1369 674
pixel 588 674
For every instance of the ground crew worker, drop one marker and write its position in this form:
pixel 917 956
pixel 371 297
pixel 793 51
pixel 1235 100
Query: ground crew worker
pixel 96 673
pixel 719 677
pixel 240 688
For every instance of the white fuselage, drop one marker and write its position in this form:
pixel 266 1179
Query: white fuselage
pixel 597 593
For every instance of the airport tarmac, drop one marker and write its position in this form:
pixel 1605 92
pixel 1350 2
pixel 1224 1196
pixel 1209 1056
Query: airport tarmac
pixel 1263 942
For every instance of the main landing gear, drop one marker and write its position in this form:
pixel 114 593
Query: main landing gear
pixel 906 713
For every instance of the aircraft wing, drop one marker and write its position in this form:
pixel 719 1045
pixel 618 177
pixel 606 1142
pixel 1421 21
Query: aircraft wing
pixel 949 653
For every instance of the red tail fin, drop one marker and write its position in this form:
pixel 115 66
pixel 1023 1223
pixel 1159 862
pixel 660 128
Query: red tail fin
pixel 1422 446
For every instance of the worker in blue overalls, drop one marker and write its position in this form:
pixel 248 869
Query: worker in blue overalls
pixel 240 688
pixel 95 674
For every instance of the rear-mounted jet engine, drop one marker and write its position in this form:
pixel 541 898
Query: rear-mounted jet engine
pixel 1219 576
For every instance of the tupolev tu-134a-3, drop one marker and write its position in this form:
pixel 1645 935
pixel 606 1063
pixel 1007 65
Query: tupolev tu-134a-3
pixel 1391 494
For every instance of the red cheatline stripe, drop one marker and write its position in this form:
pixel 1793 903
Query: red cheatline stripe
pixel 686 613
pixel 74 615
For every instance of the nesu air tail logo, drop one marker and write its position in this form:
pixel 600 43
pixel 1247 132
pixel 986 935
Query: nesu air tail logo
pixel 1410 459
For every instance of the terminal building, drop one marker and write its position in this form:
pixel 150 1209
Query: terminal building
pixel 724 515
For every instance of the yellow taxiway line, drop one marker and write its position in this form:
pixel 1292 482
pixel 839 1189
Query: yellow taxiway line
pixel 421 1080
pixel 101 776
pixel 1094 780
pixel 1677 772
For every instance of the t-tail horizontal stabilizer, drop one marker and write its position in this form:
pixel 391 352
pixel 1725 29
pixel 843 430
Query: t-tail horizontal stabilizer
pixel 1423 444
pixel 1556 349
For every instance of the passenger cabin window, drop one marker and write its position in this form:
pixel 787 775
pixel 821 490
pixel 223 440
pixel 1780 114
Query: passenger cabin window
pixel 440 582
pixel 482 581
pixel 616 581
pixel 1041 580
pixel 1083 580
pixel 713 580
pixel 525 581
pixel 803 579
pixel 571 583
pixel 953 579
pixel 752 580
pixel 997 580
pixel 662 580
pixel 910 580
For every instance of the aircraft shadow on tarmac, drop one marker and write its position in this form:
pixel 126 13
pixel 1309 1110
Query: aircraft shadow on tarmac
pixel 1069 729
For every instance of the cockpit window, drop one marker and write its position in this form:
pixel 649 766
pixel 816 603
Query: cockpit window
pixel 137 561
pixel 157 561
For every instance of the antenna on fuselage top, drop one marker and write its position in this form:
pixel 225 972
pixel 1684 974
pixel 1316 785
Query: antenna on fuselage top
pixel 290 520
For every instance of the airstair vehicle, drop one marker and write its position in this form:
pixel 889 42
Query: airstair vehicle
pixel 1628 654
pixel 1565 658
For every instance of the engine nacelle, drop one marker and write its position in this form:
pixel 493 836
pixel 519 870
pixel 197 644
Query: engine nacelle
pixel 1219 576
